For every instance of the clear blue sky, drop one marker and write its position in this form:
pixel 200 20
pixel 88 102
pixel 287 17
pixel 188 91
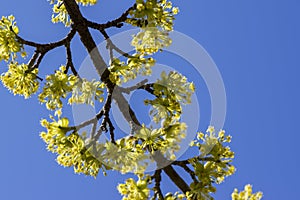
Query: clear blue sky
pixel 255 45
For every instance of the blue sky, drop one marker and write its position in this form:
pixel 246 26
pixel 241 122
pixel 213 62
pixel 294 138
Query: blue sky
pixel 255 45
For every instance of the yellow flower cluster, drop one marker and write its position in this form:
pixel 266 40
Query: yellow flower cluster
pixel 171 91
pixel 150 40
pixel 165 140
pixel 20 80
pixel 153 13
pixel 155 18
pixel 71 149
pixel 135 190
pixel 85 92
pixel 9 45
pixel 58 86
pixel 246 194
pixel 60 13
pixel 176 196
pixel 87 2
pixel 122 72
pixel 213 164
pixel 125 156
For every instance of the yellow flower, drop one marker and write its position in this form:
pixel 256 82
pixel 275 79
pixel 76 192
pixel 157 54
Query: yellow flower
pixel 20 80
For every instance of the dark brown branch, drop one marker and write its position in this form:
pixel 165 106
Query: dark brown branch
pixel 70 60
pixel 174 176
pixel 80 25
pixel 137 86
pixel 157 178
pixel 200 158
pixel 148 88
pixel 33 59
pixel 106 120
pixel 112 46
pixel 111 131
pixel 114 23
pixel 38 62
pixel 109 45
pixel 84 124
pixel 187 169
pixel 47 47
pixel 125 108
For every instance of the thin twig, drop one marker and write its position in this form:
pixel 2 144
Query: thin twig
pixel 114 23
pixel 187 169
pixel 70 63
pixel 38 62
pixel 33 59
pixel 112 46
pixel 49 46
pixel 157 178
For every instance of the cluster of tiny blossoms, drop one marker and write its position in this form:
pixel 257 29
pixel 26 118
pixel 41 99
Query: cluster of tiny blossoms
pixel 60 13
pixel 85 92
pixel 71 148
pixel 135 190
pixel 213 164
pixel 246 194
pixel 171 91
pixel 155 18
pixel 165 140
pixel 57 86
pixel 136 64
pixel 20 80
pixel 9 45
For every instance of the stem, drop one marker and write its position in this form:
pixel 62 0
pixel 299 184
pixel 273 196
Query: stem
pixel 80 24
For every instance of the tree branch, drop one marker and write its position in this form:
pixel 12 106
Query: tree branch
pixel 174 176
pixel 47 47
pixel 70 60
pixel 187 169
pixel 114 23
pixel 80 25
pixel 157 178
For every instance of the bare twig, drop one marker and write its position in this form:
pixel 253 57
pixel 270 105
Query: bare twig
pixel 114 23
pixel 157 178
pixel 187 169
pixel 70 60
pixel 47 47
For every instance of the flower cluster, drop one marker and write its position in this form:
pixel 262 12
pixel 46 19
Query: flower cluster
pixel 85 92
pixel 176 196
pixel 153 13
pixel 60 13
pixel 9 45
pixel 87 2
pixel 246 194
pixel 122 72
pixel 171 91
pixel 125 156
pixel 71 148
pixel 20 80
pixel 165 140
pixel 150 40
pixel 135 190
pixel 155 18
pixel 213 164
pixel 58 86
